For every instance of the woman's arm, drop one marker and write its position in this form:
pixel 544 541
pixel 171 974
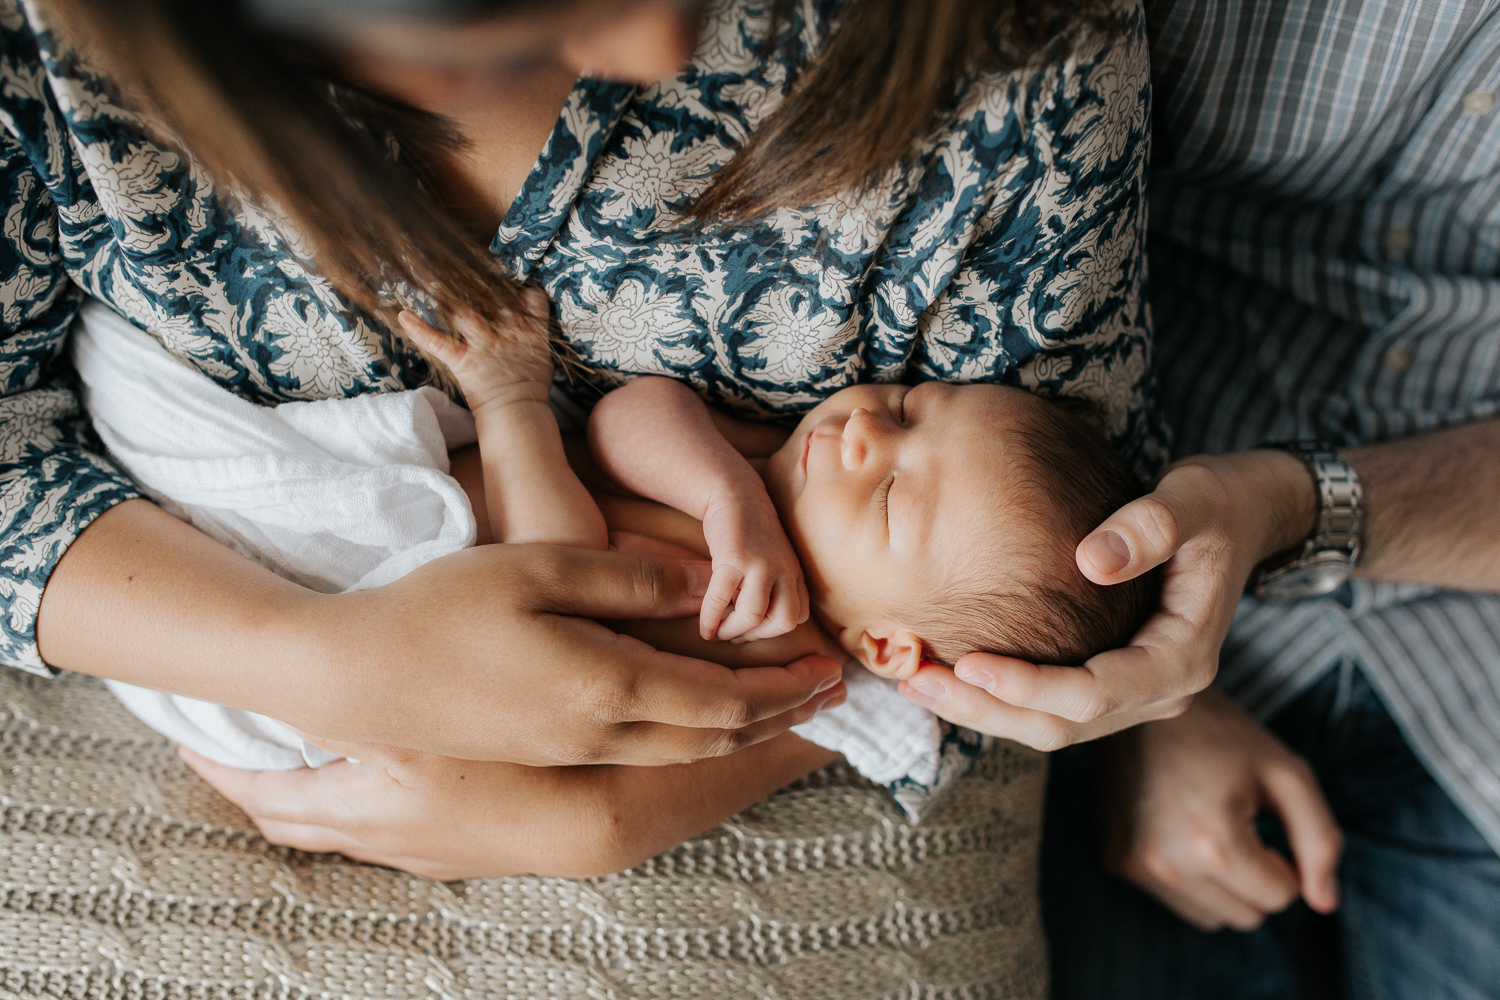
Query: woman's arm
pixel 1429 517
pixel 461 656
pixel 449 819
pixel 452 818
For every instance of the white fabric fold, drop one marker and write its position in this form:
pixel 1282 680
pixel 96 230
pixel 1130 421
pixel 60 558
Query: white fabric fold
pixel 343 495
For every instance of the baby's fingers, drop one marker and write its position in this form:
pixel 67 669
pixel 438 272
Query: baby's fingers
pixel 436 343
pixel 783 614
pixel 721 590
pixel 750 606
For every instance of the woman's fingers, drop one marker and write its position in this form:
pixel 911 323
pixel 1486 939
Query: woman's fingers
pixel 1316 841
pixel 285 796
pixel 592 584
pixel 313 839
pixel 1147 532
pixel 749 705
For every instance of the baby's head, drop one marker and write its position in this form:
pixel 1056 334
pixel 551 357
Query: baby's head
pixel 939 519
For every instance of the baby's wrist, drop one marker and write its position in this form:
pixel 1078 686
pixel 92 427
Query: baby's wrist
pixel 497 399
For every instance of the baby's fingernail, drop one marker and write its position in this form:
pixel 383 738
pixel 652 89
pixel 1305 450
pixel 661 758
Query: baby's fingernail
pixel 1108 551
pixel 932 687
pixel 698 575
pixel 1331 890
pixel 972 675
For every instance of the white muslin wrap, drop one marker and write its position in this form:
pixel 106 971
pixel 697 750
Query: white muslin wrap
pixel 343 495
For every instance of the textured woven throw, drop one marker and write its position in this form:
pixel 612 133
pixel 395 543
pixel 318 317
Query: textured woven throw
pixel 124 875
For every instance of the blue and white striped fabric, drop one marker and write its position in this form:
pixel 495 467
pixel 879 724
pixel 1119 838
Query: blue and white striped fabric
pixel 1326 259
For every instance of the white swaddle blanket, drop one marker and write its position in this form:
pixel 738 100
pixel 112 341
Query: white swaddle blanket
pixel 342 495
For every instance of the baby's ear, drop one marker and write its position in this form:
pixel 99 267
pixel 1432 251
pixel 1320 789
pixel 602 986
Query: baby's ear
pixel 885 650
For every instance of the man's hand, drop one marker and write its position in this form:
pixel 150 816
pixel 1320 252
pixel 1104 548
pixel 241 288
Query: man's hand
pixel 755 571
pixel 1181 802
pixel 1210 520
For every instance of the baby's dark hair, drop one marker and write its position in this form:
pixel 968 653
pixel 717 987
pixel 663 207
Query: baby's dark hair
pixel 1070 480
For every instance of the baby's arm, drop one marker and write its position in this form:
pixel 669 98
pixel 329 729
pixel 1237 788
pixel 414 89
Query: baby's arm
pixel 658 439
pixel 531 493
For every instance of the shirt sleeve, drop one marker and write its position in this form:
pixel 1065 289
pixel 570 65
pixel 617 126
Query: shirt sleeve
pixel 1050 293
pixel 53 478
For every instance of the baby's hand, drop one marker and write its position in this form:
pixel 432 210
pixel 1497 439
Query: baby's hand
pixel 755 568
pixel 494 362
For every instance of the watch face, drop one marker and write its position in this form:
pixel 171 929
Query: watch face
pixel 1323 574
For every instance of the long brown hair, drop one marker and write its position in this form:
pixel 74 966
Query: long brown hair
pixel 267 120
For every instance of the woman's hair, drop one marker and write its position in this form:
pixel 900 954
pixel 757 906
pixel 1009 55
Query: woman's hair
pixel 270 122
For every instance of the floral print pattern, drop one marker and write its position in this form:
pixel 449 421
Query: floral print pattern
pixel 1010 249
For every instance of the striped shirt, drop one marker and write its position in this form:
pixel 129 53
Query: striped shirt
pixel 1325 250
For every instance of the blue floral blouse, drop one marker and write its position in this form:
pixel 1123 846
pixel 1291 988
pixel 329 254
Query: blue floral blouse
pixel 1010 250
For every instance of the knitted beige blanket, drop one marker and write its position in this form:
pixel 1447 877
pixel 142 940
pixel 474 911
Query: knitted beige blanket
pixel 124 875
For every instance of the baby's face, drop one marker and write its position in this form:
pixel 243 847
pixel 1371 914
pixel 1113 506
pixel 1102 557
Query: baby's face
pixel 889 491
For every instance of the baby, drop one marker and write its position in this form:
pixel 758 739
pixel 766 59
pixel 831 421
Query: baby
pixel 931 520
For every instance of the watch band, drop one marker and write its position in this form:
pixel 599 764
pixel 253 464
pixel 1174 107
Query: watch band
pixel 1328 556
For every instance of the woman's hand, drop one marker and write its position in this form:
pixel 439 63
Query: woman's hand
pixel 447 819
pixel 489 653
pixel 1180 811
pixel 1210 519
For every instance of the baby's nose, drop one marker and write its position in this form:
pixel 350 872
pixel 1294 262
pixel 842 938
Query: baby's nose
pixel 861 437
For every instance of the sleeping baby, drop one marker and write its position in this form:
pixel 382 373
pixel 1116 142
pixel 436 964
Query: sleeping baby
pixel 930 520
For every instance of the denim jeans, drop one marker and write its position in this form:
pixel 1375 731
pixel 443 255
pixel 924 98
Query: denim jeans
pixel 1420 888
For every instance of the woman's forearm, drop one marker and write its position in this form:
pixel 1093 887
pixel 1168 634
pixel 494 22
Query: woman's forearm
pixel 145 598
pixel 461 656
pixel 652 809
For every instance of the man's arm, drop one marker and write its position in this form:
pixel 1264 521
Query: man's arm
pixel 1430 517
pixel 1432 507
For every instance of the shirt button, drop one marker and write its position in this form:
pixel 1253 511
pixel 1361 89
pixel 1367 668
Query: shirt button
pixel 1397 360
pixel 1479 102
pixel 1397 240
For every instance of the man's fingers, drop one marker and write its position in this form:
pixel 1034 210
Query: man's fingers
pixel 590 584
pixel 1314 835
pixel 938 690
pixel 1183 903
pixel 1257 874
pixel 1147 532
pixel 1225 906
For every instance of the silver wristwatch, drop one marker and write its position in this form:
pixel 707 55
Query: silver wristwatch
pixel 1327 558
